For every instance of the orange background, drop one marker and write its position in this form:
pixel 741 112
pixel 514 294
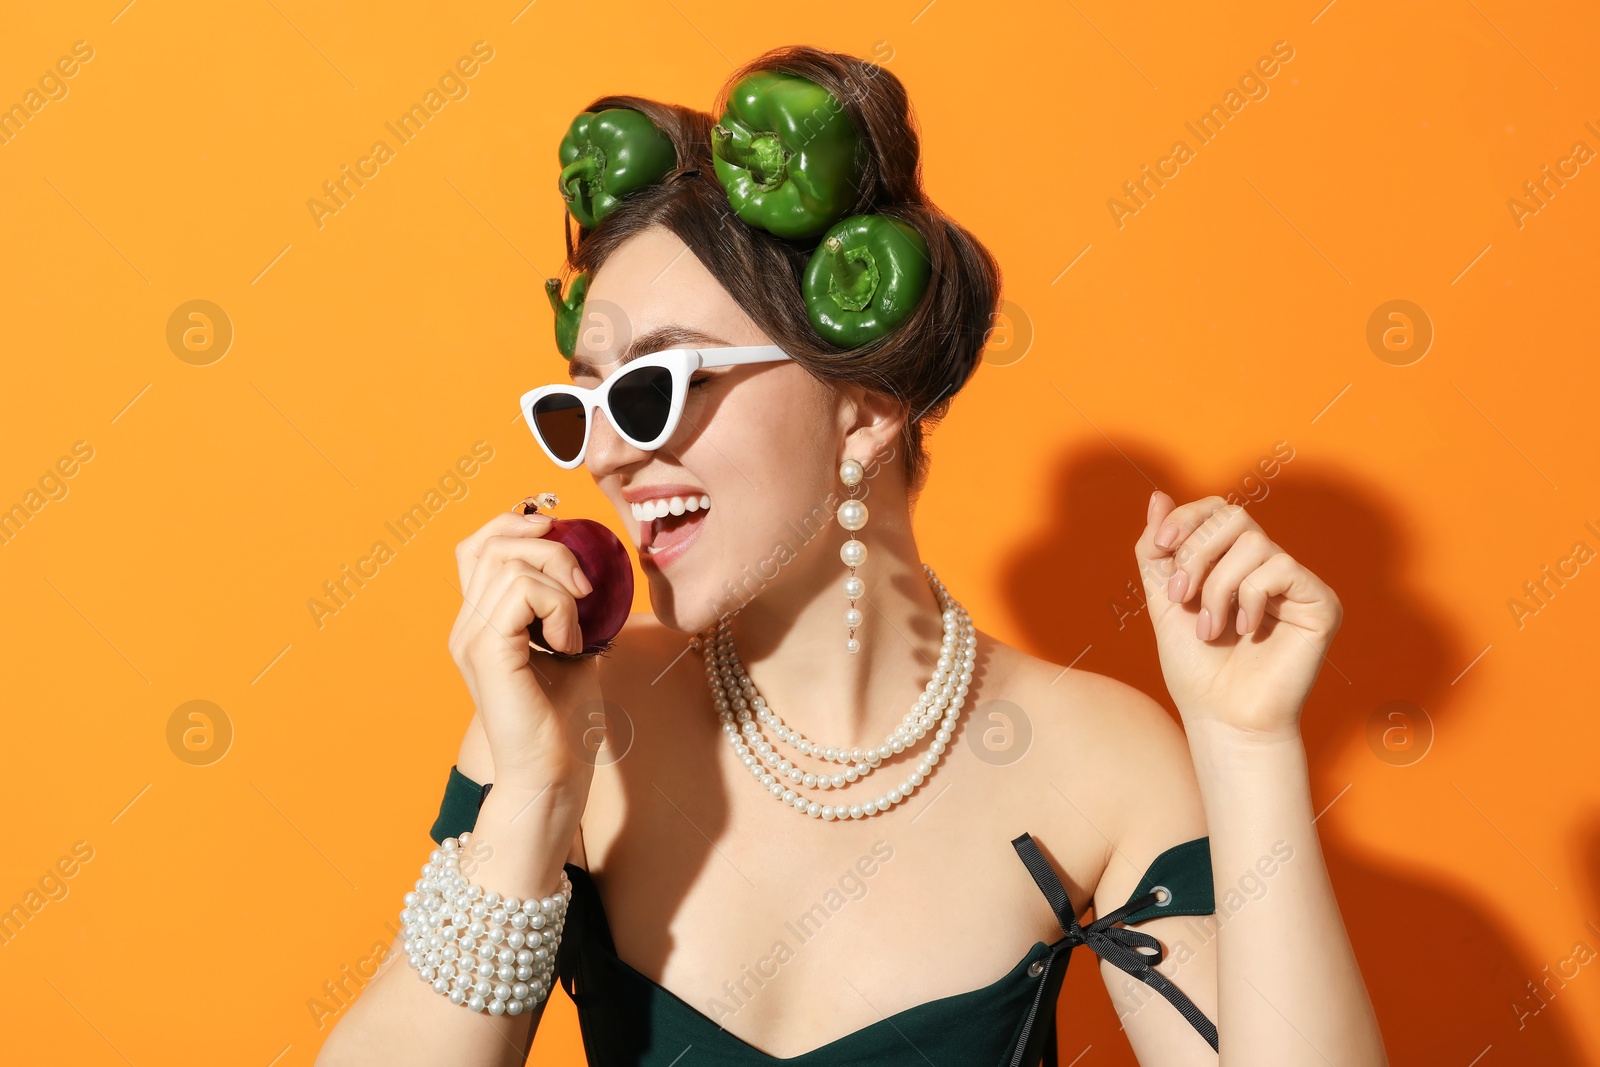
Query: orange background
pixel 1228 314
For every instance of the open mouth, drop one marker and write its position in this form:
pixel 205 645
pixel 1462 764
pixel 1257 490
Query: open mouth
pixel 666 527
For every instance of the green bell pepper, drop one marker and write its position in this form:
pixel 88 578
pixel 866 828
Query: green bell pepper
pixel 865 278
pixel 569 311
pixel 787 154
pixel 607 155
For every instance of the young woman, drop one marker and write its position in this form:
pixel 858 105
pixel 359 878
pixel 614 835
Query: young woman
pixel 862 882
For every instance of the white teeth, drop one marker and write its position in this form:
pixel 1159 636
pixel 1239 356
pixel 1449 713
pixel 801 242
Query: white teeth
pixel 646 510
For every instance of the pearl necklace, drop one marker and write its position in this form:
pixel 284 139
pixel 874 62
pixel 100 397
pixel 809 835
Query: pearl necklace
pixel 740 706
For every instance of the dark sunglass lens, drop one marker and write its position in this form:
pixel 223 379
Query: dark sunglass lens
pixel 640 401
pixel 560 420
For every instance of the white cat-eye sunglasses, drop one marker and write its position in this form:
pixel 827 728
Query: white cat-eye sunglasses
pixel 643 401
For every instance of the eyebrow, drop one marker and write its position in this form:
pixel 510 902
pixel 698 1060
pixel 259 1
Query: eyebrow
pixel 672 335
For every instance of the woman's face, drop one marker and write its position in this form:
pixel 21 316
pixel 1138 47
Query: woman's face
pixel 762 442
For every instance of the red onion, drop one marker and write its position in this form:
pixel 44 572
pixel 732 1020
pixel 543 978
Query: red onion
pixel 605 562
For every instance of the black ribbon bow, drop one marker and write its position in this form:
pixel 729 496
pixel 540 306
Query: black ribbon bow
pixel 1132 951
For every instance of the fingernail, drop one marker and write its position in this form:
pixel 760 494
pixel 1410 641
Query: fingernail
pixel 1202 626
pixel 540 518
pixel 1177 586
pixel 1150 509
pixel 1239 624
pixel 1168 535
pixel 581 581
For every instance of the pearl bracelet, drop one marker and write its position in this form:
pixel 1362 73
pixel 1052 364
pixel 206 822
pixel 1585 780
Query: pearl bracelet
pixel 491 953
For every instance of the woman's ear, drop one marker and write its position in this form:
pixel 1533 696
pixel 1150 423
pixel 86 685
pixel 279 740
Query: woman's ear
pixel 871 421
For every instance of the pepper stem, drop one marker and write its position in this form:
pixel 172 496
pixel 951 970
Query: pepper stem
pixel 852 275
pixel 568 309
pixel 583 170
pixel 763 156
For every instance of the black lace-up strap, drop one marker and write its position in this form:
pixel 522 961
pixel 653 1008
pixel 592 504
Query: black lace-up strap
pixel 1129 950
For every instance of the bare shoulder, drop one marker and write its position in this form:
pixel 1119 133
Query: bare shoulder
pixel 642 677
pixel 1117 756
pixel 643 649
pixel 1094 712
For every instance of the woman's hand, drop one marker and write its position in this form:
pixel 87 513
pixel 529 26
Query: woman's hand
pixel 526 698
pixel 1241 626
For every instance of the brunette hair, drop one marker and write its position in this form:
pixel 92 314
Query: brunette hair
pixel 924 361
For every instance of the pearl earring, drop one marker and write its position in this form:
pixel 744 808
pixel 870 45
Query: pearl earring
pixel 852 516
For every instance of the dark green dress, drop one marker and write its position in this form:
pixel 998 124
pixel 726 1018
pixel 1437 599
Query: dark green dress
pixel 628 1020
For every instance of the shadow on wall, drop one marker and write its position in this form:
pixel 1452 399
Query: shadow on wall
pixel 1445 975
